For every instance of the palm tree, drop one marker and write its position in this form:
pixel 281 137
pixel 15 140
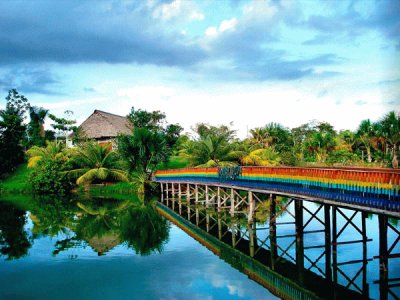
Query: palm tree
pixel 51 152
pixel 259 136
pixel 366 134
pixel 261 157
pixel 390 131
pixel 93 162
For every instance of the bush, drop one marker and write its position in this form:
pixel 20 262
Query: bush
pixel 343 157
pixel 47 178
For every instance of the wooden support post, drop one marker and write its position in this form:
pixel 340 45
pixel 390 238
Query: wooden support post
pixel 298 207
pixel 197 215
pixel 233 234
pixel 188 194
pixel 179 191
pixel 219 198
pixel 334 246
pixel 252 205
pixel 219 226
pixel 207 222
pixel 251 227
pixel 272 231
pixel 172 190
pixel 207 196
pixel 232 210
pixel 383 257
pixel 167 191
pixel 196 194
pixel 328 253
pixel 365 285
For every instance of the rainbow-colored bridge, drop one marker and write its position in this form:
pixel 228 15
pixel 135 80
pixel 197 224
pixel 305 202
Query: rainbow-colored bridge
pixel 375 190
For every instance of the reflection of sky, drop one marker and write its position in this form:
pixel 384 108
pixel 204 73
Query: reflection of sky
pixel 184 270
pixel 345 252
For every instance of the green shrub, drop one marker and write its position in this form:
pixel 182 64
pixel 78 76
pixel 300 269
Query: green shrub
pixel 48 178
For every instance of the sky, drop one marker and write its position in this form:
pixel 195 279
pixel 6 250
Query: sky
pixel 246 62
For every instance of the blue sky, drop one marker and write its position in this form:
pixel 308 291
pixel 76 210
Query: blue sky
pixel 250 62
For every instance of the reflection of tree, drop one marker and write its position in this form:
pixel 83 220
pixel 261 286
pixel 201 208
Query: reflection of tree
pixel 99 221
pixel 51 216
pixel 14 240
pixel 144 230
pixel 263 211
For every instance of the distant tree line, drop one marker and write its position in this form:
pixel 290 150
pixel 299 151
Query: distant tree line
pixel 313 143
pixel 154 144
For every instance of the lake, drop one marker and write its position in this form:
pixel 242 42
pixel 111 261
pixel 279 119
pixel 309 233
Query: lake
pixel 104 248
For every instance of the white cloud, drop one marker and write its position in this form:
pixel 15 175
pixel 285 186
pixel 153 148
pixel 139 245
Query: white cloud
pixel 226 25
pixel 178 9
pixel 211 31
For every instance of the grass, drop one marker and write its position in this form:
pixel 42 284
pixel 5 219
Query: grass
pixel 17 182
pixel 176 162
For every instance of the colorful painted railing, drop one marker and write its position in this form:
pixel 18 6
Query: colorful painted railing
pixel 378 188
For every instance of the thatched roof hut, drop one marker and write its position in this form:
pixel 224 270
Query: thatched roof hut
pixel 103 126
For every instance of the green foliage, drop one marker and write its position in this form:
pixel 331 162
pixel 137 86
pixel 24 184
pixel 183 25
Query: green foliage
pixel 261 157
pixel 343 157
pixel 48 178
pixel 92 162
pixel 14 240
pixel 213 147
pixel 12 131
pixel 389 128
pixel 174 162
pixel 144 229
pixel 143 150
pixel 35 131
pixel 52 151
pixel 63 126
pixel 151 143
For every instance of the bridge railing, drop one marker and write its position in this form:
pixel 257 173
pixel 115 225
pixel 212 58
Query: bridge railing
pixel 367 186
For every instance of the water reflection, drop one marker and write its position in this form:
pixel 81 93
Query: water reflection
pixel 100 223
pixel 14 239
pixel 299 248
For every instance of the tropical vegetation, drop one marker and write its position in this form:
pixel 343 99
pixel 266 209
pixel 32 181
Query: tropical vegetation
pixel 155 144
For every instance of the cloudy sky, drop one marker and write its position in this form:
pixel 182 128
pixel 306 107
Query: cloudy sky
pixel 250 62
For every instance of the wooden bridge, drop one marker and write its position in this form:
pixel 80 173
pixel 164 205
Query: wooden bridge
pixel 238 191
pixel 373 190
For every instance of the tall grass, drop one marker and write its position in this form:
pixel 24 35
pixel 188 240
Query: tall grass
pixel 18 182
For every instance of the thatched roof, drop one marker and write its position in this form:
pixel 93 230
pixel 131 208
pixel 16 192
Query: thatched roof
pixel 104 243
pixel 101 124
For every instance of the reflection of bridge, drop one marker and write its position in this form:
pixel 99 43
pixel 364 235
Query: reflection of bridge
pixel 247 191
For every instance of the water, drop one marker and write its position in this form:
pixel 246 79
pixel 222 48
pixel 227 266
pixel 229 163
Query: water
pixel 108 249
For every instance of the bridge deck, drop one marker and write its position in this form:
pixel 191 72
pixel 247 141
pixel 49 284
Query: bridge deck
pixel 374 190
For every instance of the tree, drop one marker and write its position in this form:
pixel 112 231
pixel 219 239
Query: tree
pixel 35 130
pixel 94 163
pixel 64 126
pixel 51 152
pixel 366 134
pixel 261 157
pixel 152 142
pixel 143 119
pixel 49 163
pixel 144 150
pixel 321 141
pixel 212 148
pixel 390 131
pixel 12 131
